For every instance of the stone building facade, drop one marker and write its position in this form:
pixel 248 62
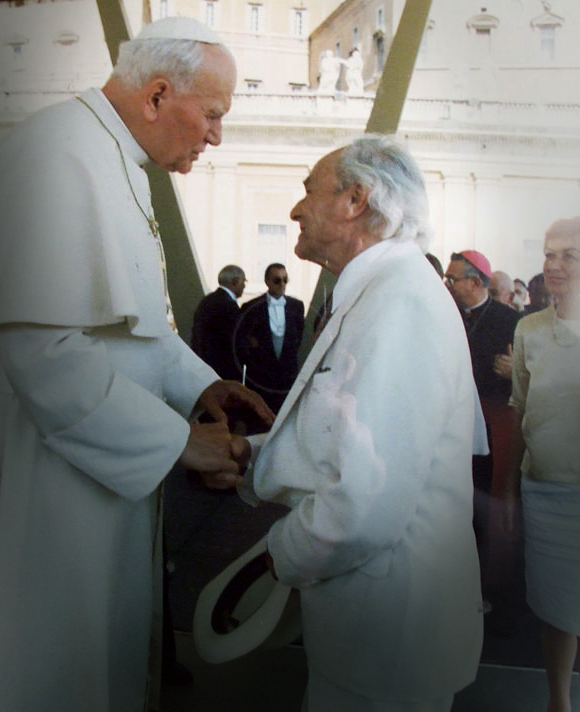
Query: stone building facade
pixel 492 115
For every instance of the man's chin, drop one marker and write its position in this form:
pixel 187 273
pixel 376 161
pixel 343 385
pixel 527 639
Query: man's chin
pixel 184 165
pixel 301 248
pixel 303 253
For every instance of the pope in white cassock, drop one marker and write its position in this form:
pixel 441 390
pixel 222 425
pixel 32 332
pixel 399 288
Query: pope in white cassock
pixel 96 388
pixel 372 450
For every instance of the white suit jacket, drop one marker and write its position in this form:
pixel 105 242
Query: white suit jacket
pixel 372 451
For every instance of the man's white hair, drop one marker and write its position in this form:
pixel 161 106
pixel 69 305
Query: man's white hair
pixel 397 198
pixel 178 60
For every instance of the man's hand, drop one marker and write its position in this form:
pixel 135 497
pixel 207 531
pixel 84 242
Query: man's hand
pixel 209 450
pixel 502 364
pixel 240 450
pixel 510 514
pixel 231 394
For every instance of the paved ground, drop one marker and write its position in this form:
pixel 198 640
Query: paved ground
pixel 206 530
pixel 273 681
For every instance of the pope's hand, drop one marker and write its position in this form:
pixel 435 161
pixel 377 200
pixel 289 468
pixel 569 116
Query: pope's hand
pixel 232 394
pixel 209 451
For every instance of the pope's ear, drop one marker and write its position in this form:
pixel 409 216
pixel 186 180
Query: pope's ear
pixel 156 94
pixel 357 200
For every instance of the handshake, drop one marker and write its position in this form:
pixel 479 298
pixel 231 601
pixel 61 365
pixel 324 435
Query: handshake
pixel 219 456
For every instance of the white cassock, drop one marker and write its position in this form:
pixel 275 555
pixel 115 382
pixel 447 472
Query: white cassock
pixel 372 451
pixel 95 393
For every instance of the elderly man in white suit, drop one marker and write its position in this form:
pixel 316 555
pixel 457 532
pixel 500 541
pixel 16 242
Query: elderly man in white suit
pixel 372 452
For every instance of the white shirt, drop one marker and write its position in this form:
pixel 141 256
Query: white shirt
pixel 229 292
pixel 277 314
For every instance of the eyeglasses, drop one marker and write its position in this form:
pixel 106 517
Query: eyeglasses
pixel 279 280
pixel 451 280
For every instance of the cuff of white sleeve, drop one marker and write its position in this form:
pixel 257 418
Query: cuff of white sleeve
pixel 128 443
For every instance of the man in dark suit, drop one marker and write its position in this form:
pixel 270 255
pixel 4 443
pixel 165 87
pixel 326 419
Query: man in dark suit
pixel 268 337
pixel 214 323
pixel 490 327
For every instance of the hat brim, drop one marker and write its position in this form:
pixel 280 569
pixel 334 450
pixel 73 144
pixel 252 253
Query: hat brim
pixel 243 609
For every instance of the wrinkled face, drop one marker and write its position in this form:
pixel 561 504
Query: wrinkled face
pixel 276 281
pixel 562 265
pixel 319 213
pixel 460 286
pixel 188 122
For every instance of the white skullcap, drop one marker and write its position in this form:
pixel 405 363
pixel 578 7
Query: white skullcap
pixel 179 28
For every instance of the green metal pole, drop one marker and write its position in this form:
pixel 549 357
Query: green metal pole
pixel 398 69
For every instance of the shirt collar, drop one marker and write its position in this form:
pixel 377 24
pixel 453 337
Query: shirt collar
pixel 280 302
pixel 357 267
pixel 106 112
pixel 229 291
pixel 468 310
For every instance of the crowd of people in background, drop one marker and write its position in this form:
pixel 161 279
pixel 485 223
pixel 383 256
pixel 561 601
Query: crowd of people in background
pixel 256 344
pixel 526 361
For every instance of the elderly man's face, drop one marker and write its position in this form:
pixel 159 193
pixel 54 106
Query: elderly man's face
pixel 238 285
pixel 460 286
pixel 319 214
pixel 562 265
pixel 188 122
pixel 499 289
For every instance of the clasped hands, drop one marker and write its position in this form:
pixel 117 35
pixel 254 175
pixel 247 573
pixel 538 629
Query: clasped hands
pixel 219 456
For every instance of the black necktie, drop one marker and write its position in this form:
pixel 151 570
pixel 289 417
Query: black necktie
pixel 324 314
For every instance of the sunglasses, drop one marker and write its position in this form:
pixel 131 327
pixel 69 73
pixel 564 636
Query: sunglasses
pixel 279 280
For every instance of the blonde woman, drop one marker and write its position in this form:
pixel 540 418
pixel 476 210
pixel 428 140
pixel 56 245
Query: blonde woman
pixel 546 399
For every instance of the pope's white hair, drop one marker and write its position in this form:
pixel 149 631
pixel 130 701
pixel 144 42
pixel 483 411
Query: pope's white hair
pixel 397 197
pixel 141 59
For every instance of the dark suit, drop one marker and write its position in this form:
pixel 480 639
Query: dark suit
pixel 490 329
pixel 270 376
pixel 212 335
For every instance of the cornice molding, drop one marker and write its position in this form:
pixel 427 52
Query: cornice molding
pixel 484 21
pixel 548 19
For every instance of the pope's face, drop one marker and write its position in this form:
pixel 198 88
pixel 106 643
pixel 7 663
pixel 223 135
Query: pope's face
pixel 188 122
pixel 562 265
pixel 319 213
